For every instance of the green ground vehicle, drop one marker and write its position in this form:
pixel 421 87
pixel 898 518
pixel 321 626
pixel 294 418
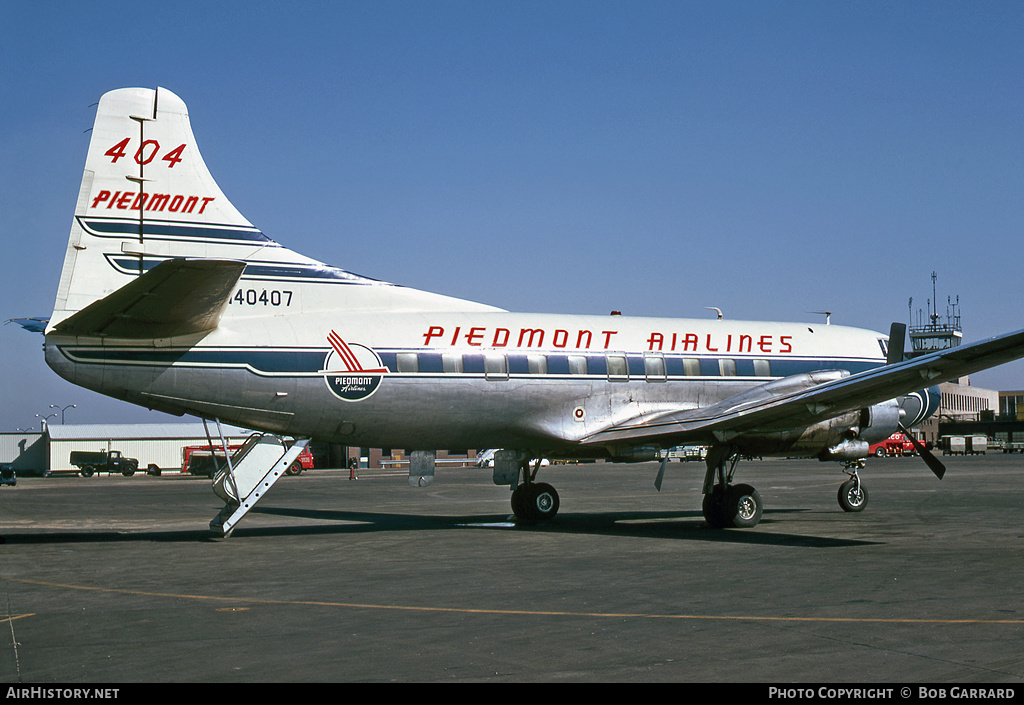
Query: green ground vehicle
pixel 89 462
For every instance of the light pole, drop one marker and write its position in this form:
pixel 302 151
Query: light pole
pixel 42 422
pixel 62 410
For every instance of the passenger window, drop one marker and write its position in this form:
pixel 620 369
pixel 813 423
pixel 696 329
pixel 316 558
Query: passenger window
pixel 452 363
pixel 577 364
pixel 691 367
pixel 727 367
pixel 495 367
pixel 408 362
pixel 762 368
pixel 538 364
pixel 618 370
pixel 654 368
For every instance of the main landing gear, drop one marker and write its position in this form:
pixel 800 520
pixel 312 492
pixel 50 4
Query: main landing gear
pixel 532 501
pixel 725 504
pixel 728 505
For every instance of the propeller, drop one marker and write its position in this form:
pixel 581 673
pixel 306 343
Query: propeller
pixel 933 463
pixel 897 341
pixel 894 354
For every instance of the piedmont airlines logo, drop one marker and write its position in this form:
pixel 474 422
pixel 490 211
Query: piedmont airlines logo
pixel 352 371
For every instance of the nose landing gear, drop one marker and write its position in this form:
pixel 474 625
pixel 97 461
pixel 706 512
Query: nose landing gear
pixel 853 496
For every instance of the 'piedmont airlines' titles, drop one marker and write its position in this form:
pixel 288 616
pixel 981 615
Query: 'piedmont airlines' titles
pixel 484 336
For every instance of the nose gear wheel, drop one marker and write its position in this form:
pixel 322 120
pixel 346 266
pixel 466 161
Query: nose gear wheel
pixel 853 496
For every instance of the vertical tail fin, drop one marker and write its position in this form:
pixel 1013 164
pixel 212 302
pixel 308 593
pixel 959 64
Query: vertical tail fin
pixel 146 197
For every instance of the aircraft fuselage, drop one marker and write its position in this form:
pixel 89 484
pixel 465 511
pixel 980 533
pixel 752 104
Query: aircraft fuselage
pixel 456 380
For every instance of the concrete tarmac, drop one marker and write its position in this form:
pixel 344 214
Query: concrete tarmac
pixel 117 580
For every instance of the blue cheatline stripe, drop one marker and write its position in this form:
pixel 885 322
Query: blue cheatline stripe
pixel 101 227
pixel 306 361
pixel 278 271
pixel 260 361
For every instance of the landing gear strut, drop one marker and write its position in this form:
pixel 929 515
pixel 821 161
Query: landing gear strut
pixel 531 500
pixel 853 496
pixel 727 505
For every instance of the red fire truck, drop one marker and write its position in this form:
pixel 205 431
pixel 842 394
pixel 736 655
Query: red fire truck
pixel 896 444
pixel 204 460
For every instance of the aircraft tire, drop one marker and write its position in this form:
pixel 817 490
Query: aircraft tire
pixel 743 506
pixel 518 506
pixel 850 499
pixel 542 501
pixel 713 507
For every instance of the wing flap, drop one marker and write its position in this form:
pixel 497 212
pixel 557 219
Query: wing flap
pixel 176 297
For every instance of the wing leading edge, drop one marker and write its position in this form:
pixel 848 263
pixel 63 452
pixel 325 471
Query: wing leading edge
pixel 807 399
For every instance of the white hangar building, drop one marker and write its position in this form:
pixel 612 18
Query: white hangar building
pixel 159 445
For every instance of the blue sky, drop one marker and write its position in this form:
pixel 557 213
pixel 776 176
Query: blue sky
pixel 767 158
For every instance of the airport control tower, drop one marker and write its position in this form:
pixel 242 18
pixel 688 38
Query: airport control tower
pixel 959 400
pixel 933 333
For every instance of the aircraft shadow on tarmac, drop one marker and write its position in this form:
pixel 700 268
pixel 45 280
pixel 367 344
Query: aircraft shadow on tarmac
pixel 679 526
pixel 685 526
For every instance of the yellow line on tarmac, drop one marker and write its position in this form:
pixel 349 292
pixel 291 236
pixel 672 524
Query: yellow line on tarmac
pixel 522 613
pixel 11 618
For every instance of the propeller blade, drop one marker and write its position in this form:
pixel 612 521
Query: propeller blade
pixel 933 463
pixel 661 473
pixel 897 342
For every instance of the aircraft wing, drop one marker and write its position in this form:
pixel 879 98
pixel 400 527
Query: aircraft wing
pixel 176 297
pixel 814 398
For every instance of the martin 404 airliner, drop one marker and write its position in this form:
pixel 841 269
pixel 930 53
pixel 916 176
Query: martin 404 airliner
pixel 169 298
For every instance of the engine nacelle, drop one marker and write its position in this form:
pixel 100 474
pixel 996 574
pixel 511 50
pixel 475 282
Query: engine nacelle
pixel 875 423
pixel 918 406
pixel 880 421
pixel 853 449
pixel 843 437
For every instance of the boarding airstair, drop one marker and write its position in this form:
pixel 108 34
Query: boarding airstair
pixel 249 473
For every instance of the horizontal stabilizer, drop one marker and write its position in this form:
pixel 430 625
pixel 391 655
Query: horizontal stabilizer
pixel 33 325
pixel 176 297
